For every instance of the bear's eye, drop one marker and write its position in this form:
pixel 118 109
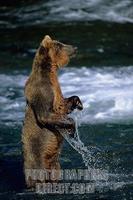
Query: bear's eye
pixel 59 45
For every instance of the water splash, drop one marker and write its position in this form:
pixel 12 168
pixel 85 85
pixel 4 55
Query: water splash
pixel 90 155
pixel 96 164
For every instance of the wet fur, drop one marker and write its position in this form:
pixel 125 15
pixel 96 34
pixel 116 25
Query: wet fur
pixel 46 111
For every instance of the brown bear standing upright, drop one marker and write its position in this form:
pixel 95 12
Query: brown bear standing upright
pixel 47 109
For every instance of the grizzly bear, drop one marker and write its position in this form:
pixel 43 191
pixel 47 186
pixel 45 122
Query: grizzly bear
pixel 46 114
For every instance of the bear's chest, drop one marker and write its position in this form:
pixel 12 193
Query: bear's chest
pixel 58 104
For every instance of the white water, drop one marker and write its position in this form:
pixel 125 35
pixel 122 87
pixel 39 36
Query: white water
pixel 106 93
pixel 107 97
pixel 110 10
pixel 42 12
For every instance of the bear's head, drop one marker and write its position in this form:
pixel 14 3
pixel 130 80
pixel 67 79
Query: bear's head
pixel 59 54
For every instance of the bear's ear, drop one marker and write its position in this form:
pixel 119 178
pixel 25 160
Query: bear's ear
pixel 47 41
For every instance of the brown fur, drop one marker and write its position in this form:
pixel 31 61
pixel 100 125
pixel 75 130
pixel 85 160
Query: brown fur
pixel 46 110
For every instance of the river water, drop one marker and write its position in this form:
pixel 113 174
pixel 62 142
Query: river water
pixel 101 75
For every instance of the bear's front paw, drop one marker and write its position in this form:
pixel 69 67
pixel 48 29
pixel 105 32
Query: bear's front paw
pixel 77 104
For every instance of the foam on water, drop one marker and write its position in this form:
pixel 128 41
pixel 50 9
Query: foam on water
pixel 107 97
pixel 106 94
pixel 63 10
pixel 119 11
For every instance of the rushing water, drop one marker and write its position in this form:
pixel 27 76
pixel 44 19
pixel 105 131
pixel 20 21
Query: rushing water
pixel 108 105
pixel 105 92
pixel 101 75
pixel 63 10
